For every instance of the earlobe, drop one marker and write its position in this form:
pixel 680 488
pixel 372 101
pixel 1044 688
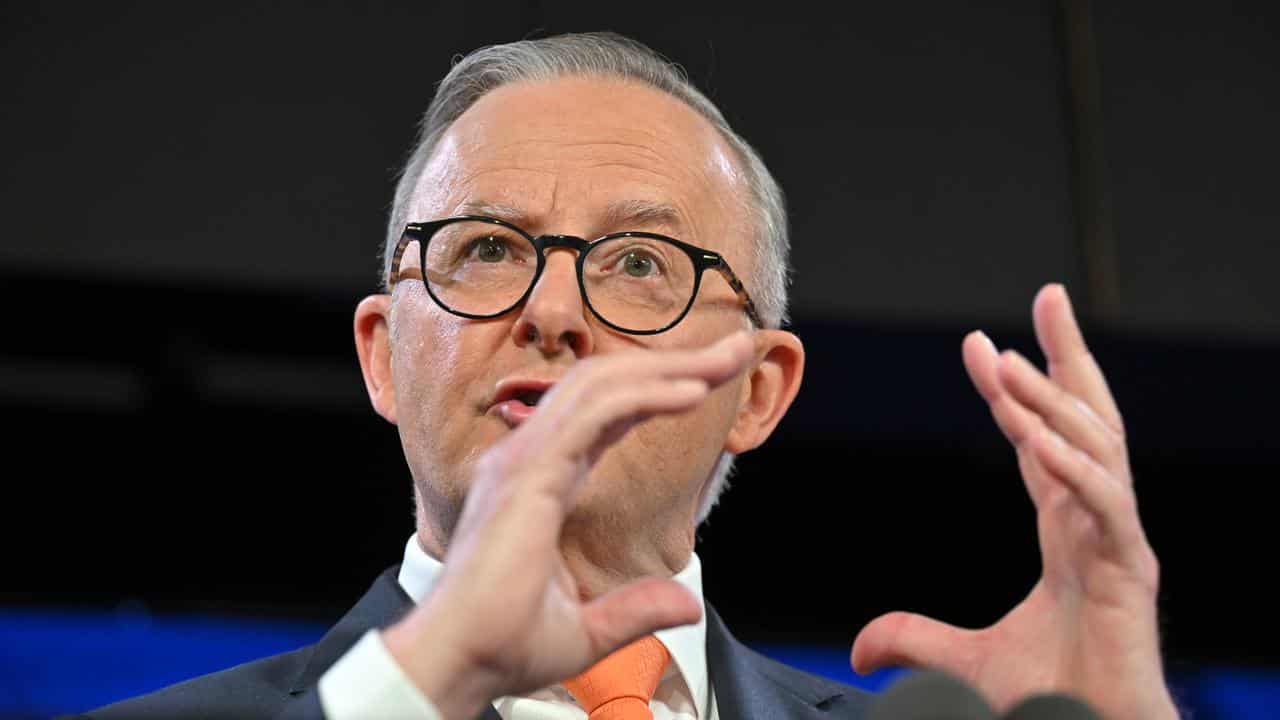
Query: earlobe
pixel 769 389
pixel 373 346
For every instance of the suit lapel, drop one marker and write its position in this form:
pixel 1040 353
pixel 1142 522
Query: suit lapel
pixel 749 686
pixel 383 604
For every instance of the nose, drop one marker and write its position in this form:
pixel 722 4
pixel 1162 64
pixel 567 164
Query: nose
pixel 553 318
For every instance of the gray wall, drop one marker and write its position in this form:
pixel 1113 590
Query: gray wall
pixel 926 147
pixel 1191 100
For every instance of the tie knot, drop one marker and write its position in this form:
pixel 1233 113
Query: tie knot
pixel 620 686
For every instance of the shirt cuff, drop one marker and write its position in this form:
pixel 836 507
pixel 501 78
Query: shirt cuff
pixel 367 682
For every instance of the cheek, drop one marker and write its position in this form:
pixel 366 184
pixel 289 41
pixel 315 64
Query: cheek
pixel 683 448
pixel 437 361
pixel 427 351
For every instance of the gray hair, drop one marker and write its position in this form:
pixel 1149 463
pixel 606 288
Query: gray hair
pixel 612 56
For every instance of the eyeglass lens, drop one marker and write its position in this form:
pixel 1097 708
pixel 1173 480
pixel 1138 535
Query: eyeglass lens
pixel 636 283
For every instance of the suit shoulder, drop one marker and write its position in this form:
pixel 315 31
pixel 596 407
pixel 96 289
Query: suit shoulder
pixel 836 698
pixel 257 688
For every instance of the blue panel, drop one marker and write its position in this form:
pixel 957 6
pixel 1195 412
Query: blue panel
pixel 831 662
pixel 55 662
pixel 1221 693
pixel 1224 692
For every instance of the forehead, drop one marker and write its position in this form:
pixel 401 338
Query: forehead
pixel 572 150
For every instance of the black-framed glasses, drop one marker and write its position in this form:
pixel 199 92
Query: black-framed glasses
pixel 639 283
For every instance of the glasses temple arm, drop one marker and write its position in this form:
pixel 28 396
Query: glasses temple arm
pixel 735 284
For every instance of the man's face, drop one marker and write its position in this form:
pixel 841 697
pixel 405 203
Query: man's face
pixel 554 157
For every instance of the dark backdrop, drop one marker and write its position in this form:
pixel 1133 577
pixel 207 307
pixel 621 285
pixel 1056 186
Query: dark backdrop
pixel 193 199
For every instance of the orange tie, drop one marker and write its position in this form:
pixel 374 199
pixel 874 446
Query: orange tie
pixel 620 686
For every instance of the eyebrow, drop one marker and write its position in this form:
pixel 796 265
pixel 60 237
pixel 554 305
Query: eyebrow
pixel 625 213
pixel 618 215
pixel 501 211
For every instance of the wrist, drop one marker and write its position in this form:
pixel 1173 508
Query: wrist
pixel 439 666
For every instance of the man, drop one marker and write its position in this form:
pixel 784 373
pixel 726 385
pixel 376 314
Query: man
pixel 585 278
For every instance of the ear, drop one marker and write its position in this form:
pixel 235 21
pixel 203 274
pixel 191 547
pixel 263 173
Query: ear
pixel 373 345
pixel 769 388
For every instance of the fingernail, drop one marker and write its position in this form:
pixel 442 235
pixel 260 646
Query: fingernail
pixel 987 340
pixel 731 339
pixel 691 386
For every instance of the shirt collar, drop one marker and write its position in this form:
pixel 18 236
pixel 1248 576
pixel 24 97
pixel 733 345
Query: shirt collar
pixel 686 643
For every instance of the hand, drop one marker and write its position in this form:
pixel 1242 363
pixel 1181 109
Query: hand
pixel 506 615
pixel 1088 627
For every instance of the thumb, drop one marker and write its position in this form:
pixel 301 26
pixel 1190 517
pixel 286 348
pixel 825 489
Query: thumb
pixel 901 639
pixel 634 610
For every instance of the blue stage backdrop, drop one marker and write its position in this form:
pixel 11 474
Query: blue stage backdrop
pixel 54 662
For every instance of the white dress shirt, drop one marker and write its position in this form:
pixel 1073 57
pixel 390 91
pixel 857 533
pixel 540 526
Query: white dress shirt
pixel 366 682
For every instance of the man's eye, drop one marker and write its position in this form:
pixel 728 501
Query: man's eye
pixel 490 250
pixel 638 264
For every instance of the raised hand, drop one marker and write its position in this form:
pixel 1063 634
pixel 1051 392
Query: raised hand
pixel 506 615
pixel 1089 626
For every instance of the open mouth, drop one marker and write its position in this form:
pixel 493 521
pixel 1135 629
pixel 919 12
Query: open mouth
pixel 529 397
pixel 515 399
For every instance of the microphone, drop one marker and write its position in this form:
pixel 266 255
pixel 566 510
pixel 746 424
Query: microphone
pixel 934 695
pixel 1053 706
pixel 931 695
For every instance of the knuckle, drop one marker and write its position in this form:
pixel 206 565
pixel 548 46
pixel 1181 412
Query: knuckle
pixel 1145 565
pixel 1152 568
pixel 1115 445
pixel 625 399
pixel 1007 418
pixel 1126 503
pixel 1062 399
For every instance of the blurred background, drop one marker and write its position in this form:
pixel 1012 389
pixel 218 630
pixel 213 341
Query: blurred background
pixel 193 202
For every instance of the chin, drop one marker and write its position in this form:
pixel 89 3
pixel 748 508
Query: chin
pixel 613 506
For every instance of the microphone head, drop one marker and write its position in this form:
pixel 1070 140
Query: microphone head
pixel 930 695
pixel 1053 706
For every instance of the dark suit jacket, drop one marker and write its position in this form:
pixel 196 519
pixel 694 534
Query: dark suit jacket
pixel 747 685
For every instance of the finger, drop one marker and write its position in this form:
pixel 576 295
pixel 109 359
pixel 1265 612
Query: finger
pixel 1071 364
pixel 615 388
pixel 609 418
pixel 980 361
pixel 1043 488
pixel 901 639
pixel 596 376
pixel 715 363
pixel 1060 410
pixel 724 360
pixel 602 398
pixel 578 433
pixel 634 610
pixel 1105 497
